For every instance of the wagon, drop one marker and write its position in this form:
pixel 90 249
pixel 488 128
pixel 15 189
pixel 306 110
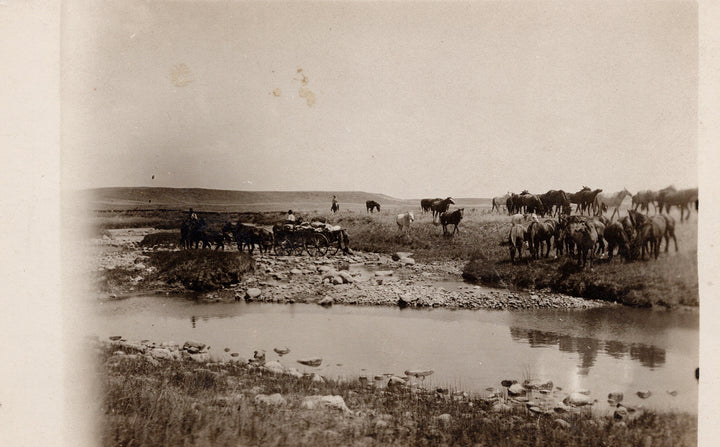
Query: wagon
pixel 316 239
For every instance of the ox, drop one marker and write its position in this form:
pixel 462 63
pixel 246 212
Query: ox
pixel 403 221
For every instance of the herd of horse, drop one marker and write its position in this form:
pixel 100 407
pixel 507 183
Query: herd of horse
pixel 596 202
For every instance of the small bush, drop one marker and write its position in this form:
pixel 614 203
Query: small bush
pixel 201 270
pixel 161 239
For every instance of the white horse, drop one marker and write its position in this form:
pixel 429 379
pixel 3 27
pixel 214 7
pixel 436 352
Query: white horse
pixel 498 202
pixel 607 200
pixel 403 221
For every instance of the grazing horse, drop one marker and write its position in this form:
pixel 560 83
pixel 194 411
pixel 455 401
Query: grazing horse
pixel 643 199
pixel 607 200
pixel 539 232
pixel 617 236
pixel 403 221
pixel 425 204
pixel 585 236
pixel 516 239
pixel 682 199
pixel 372 205
pixel 440 206
pixel 497 202
pixel 453 218
pixel 531 204
pixel 558 199
pixel 651 234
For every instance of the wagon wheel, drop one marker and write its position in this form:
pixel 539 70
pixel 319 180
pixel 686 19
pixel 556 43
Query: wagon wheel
pixel 334 246
pixel 298 245
pixel 316 244
pixel 282 245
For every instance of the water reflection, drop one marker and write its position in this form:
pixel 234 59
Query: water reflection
pixel 588 347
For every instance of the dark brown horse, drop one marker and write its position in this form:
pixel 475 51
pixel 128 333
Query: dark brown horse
pixel 425 204
pixel 584 199
pixel 616 236
pixel 453 218
pixel 440 206
pixel 643 199
pixel 651 234
pixel 682 199
pixel 539 233
pixel 584 236
pixel 372 205
pixel 558 199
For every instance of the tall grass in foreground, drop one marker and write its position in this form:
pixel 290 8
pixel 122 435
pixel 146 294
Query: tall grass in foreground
pixel 170 402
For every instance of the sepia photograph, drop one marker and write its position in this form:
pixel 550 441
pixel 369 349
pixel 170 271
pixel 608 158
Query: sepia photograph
pixel 350 223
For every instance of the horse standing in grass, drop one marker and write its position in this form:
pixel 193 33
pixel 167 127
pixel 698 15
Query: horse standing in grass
pixel 371 205
pixel 558 199
pixel 539 233
pixel 585 237
pixel 453 218
pixel 643 199
pixel 440 206
pixel 516 238
pixel 606 200
pixel 682 199
pixel 426 204
pixel 497 202
pixel 651 234
pixel 584 199
pixel 617 236
pixel 403 222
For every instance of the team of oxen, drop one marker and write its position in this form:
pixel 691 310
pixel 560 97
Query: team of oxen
pixel 634 235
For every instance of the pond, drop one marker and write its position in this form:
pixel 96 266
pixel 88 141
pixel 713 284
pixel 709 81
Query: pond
pixel 602 350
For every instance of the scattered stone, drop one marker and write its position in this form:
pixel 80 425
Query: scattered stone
pixel 673 393
pixel 115 337
pixel 407 261
pixel 235 354
pixel 500 407
pixel 536 410
pixel 226 349
pixel 395 381
pixel 620 413
pixel 282 351
pixel 383 273
pixel 582 391
pixel 274 367
pixel 400 255
pixel 516 389
pixel 317 378
pixel 347 277
pixel 193 347
pixel 577 400
pixel 644 394
pixel 615 397
pixel 419 372
pixel 315 402
pixel 562 423
pixel 271 400
pixel 296 272
pixel 337 280
pixel 507 383
pixel 252 293
pixel 314 361
pixel 327 301
pixel 538 385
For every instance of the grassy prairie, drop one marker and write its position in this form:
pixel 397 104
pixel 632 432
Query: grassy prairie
pixel 151 402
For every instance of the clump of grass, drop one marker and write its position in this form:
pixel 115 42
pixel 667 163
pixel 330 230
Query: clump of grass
pixel 201 270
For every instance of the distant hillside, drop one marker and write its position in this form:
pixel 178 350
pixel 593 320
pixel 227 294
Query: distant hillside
pixel 215 199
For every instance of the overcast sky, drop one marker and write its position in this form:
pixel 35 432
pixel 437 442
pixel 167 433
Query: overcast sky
pixel 410 100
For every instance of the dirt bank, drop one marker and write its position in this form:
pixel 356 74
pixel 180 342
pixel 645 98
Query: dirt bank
pixel 124 267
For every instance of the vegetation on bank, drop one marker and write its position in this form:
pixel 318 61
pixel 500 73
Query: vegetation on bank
pixel 668 281
pixel 150 402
